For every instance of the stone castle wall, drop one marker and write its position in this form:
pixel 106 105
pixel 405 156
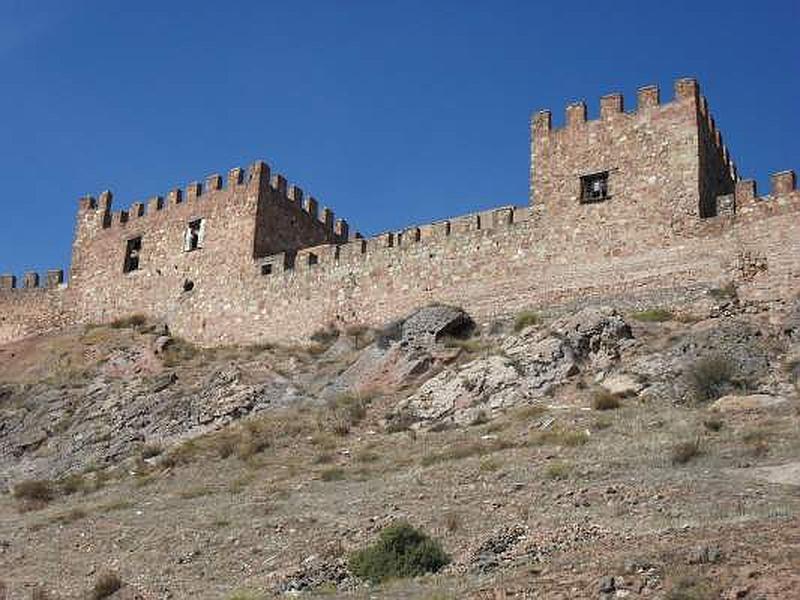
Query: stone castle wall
pixel 273 266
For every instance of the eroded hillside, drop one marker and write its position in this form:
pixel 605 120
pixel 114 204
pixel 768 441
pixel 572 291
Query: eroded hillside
pixel 580 455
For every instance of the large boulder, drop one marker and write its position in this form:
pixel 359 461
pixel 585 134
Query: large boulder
pixel 459 396
pixel 527 366
pixel 404 350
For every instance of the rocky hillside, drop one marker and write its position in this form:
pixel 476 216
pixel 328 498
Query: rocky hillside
pixel 590 454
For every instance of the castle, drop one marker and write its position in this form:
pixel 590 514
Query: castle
pixel 637 208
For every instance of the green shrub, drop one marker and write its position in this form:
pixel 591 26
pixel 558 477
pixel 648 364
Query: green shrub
pixel 525 319
pixel 653 315
pixel 710 377
pixel 557 470
pixel 604 400
pixel 713 424
pixel 401 551
pixel 105 585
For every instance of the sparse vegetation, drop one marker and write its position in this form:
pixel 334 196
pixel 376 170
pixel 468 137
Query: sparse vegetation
pixel 725 292
pixel 178 351
pixel 400 421
pixel 691 588
pixel 332 474
pixel 345 412
pixel 401 551
pixel 136 321
pixel 559 437
pixel 151 450
pixel 710 377
pixel 38 491
pixel 713 424
pixel 525 319
pixel 653 315
pixel 465 450
pixel 557 470
pixel 106 584
pixel 452 521
pixel 684 452
pixel 602 399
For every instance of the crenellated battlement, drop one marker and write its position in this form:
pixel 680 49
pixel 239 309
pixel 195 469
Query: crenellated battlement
pixel 215 188
pixel 357 249
pixel 745 201
pixel 53 278
pixel 648 99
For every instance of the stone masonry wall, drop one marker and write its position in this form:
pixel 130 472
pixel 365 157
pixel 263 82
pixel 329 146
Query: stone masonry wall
pixel 512 262
pixel 31 309
pixel 247 216
pixel 272 267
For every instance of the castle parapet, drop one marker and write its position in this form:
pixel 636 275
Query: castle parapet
pixel 31 280
pixel 783 193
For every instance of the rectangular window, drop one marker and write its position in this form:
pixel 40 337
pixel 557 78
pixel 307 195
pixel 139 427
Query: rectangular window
pixel 594 188
pixel 266 269
pixel 313 259
pixel 195 231
pixel 133 248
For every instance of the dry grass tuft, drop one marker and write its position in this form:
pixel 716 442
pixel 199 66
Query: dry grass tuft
pixel 604 400
pixel 106 584
pixel 685 452
pixel 525 319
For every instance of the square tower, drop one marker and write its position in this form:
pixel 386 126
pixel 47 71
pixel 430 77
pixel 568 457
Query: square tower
pixel 658 166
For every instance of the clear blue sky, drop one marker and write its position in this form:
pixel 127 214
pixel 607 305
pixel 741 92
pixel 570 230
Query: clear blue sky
pixel 392 113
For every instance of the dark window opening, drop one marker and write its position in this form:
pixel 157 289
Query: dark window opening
pixel 194 235
pixel 313 259
pixel 133 248
pixel 188 285
pixel 594 188
pixel 266 269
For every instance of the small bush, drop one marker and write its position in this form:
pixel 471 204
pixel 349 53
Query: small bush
pixel 34 490
pixel 332 474
pixel 452 521
pixel 105 585
pixel 653 315
pixel 713 424
pixel 178 351
pixel 325 337
pixel 401 551
pixel 526 319
pixel 400 421
pixel 131 322
pixel 710 377
pixel 345 412
pixel 604 400
pixel 74 483
pixel 683 452
pixel 557 471
pixel 151 450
